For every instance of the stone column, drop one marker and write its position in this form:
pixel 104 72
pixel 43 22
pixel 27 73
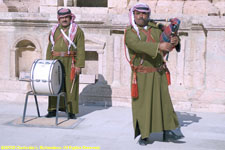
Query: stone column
pixel 65 3
pixel 69 3
pixel 116 61
pixel 180 63
pixel 12 63
pixel 194 73
pixel 74 3
pixel 215 62
pixel 101 80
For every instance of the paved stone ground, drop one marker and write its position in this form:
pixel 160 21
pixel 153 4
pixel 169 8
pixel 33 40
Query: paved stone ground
pixel 110 129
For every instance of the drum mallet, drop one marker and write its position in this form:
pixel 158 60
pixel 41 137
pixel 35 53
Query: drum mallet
pixel 71 90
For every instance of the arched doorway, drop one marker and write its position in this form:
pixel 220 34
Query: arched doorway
pixel 23 54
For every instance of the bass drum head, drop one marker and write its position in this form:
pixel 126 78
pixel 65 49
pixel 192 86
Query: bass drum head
pixel 56 77
pixel 46 77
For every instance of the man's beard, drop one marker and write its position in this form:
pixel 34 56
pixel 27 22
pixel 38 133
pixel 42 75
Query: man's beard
pixel 145 22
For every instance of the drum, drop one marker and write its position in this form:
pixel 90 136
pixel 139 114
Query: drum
pixel 46 77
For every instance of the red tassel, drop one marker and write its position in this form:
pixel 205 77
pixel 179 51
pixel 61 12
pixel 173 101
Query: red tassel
pixel 73 70
pixel 72 73
pixel 168 77
pixel 134 87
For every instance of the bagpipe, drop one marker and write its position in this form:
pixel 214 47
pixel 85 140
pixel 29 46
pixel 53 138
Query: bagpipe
pixel 168 30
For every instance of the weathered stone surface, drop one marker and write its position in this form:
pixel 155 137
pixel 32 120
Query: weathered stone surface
pixel 46 9
pixel 117 3
pixel 87 79
pixel 51 3
pixel 22 5
pixel 196 72
pixel 3 7
pixel 199 8
pixel 195 60
pixel 215 55
pixel 169 7
pixel 220 5
pixel 152 4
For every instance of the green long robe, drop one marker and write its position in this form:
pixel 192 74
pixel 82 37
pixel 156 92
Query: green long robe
pixel 152 110
pixel 60 46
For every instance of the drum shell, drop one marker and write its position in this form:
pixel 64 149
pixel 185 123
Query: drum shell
pixel 46 77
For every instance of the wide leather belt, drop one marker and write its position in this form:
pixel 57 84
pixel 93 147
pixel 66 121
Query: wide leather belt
pixel 64 54
pixel 144 69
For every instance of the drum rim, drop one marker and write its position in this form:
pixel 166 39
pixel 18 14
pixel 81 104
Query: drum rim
pixel 32 74
pixel 61 69
pixel 50 78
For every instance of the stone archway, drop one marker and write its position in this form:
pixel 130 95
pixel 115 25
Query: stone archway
pixel 23 56
pixel 24 52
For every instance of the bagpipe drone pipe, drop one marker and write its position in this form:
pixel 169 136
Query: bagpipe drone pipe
pixel 168 31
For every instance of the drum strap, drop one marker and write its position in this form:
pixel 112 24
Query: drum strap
pixel 61 35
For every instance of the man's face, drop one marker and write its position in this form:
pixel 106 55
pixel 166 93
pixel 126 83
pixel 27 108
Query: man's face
pixel 141 18
pixel 65 21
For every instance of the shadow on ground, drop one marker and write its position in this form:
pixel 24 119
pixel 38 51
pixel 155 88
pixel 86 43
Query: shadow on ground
pixel 95 97
pixel 84 110
pixel 185 119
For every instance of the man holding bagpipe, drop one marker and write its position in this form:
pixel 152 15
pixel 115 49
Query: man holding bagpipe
pixel 151 103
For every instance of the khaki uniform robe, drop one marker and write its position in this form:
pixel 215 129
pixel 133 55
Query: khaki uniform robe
pixel 152 110
pixel 60 46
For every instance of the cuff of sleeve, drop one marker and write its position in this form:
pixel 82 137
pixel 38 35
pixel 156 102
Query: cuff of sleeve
pixel 156 52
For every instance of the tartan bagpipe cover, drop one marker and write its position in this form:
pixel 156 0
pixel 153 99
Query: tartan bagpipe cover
pixel 170 30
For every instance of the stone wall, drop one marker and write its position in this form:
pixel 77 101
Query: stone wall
pixel 197 71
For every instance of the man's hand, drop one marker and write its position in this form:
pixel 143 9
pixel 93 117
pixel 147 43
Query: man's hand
pixel 165 46
pixel 78 70
pixel 174 40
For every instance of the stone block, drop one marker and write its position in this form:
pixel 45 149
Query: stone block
pixel 178 93
pixel 118 11
pixel 124 102
pixel 120 19
pixel 89 10
pixel 199 8
pixel 14 85
pixel 117 3
pixel 215 62
pixel 19 97
pixel 182 105
pixel 51 2
pixel 33 7
pixel 194 69
pixel 87 79
pixel 169 7
pixel 207 107
pixel 24 76
pixel 3 7
pixel 214 96
pixel 69 3
pixel 220 4
pixel 46 9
